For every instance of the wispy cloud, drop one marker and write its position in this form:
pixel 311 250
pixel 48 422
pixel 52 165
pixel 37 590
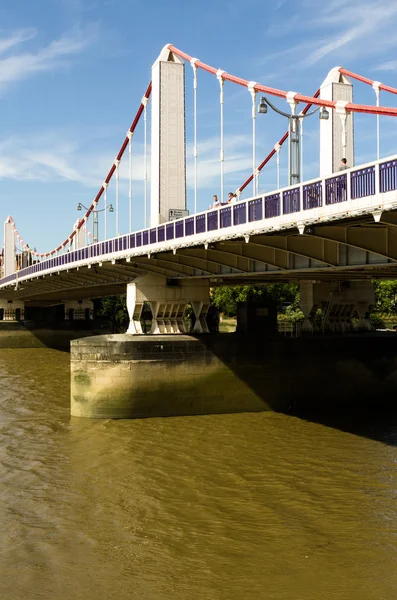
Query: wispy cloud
pixel 19 66
pixel 338 29
pixel 390 65
pixel 354 28
pixel 58 157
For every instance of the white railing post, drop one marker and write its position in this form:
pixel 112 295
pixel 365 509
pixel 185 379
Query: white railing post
pixel 377 179
pixel 323 193
pixel 301 197
pixel 348 187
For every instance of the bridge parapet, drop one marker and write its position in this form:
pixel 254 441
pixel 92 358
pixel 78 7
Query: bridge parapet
pixel 367 189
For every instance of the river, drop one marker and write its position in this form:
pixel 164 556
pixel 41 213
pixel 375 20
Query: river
pixel 245 506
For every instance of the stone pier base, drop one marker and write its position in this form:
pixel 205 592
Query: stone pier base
pixel 124 376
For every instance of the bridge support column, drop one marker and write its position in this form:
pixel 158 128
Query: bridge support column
pixel 363 309
pixel 306 303
pixel 339 300
pixel 79 310
pixel 200 310
pixel 12 310
pixel 168 300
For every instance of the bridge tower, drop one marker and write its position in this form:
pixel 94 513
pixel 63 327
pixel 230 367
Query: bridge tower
pixel 9 248
pixel 336 133
pixel 168 139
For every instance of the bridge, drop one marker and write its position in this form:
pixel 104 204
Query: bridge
pixel 338 227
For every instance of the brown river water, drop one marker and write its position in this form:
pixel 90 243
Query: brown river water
pixel 241 506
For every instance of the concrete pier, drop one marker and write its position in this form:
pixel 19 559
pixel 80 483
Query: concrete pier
pixel 124 376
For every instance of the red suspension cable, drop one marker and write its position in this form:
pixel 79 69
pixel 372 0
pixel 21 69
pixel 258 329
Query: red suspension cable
pixel 350 106
pixel 382 86
pixel 102 189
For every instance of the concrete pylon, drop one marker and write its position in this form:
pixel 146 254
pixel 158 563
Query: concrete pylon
pixel 168 138
pixel 168 303
pixel 336 133
pixel 306 303
pixel 9 248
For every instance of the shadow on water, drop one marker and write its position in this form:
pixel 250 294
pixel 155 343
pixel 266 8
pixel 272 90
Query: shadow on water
pixel 376 423
pixel 42 335
pixel 347 383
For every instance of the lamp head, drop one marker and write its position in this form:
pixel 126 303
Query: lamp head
pixel 324 114
pixel 111 209
pixel 79 207
pixel 262 108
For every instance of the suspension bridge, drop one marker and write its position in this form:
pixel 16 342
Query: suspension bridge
pixel 338 227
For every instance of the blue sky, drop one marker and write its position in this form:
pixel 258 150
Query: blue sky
pixel 72 73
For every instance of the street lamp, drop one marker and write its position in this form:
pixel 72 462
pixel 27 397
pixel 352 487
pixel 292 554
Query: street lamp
pixel 95 212
pixel 294 129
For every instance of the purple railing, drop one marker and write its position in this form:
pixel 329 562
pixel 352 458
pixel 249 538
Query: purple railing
pixel 255 210
pixel 189 226
pixel 362 183
pixel 153 236
pixel 169 231
pixel 388 176
pixel 212 220
pixel 291 201
pixel 272 206
pixel 200 224
pixel 179 229
pixel 161 233
pixel 312 195
pixel 336 189
pixel 240 213
pixel 225 217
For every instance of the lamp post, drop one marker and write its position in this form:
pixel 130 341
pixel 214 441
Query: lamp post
pixel 95 212
pixel 294 129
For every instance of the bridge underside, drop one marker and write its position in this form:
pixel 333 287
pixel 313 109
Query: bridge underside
pixel 356 249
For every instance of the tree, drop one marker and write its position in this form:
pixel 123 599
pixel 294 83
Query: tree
pixel 386 297
pixel 114 308
pixel 225 298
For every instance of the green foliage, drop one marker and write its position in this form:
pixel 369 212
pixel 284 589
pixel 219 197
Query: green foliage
pixel 385 297
pixel 225 298
pixel 376 321
pixel 291 314
pixel 114 308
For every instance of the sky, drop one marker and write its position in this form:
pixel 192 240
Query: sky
pixel 73 72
